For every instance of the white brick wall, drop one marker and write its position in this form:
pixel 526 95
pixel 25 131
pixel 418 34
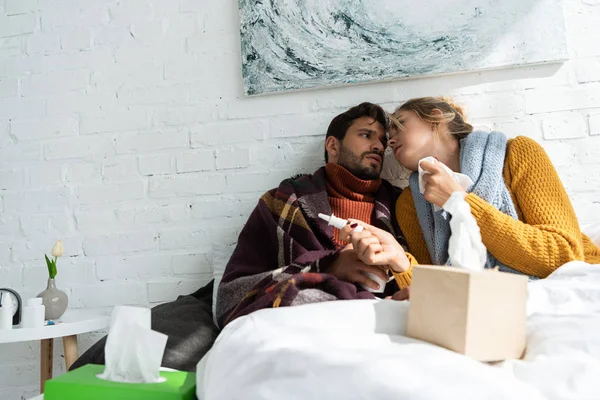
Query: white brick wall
pixel 594 124
pixel 124 132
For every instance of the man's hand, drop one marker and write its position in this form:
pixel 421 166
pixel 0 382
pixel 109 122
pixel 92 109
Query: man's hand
pixel 439 185
pixel 374 246
pixel 349 268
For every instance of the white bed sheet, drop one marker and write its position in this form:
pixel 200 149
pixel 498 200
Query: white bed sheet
pixel 357 350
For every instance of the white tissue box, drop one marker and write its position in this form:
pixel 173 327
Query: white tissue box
pixel 479 314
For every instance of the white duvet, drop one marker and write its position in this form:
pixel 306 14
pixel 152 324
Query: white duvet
pixel 356 350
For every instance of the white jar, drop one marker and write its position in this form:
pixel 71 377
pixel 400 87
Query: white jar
pixel 6 313
pixel 33 313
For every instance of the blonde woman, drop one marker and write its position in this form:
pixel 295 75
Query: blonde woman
pixel 526 219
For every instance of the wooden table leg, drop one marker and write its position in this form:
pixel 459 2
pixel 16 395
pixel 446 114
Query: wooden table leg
pixel 47 350
pixel 71 353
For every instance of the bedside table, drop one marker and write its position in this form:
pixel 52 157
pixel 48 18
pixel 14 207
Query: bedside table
pixel 73 323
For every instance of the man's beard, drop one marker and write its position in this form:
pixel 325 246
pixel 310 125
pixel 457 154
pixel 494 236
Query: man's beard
pixel 352 163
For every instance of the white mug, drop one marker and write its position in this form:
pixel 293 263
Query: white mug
pixel 377 279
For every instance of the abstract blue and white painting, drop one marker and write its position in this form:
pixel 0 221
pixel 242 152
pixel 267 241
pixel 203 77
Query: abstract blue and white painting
pixel 301 44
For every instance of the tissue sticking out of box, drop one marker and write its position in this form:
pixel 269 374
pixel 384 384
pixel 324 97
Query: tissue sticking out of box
pixel 133 351
pixel 465 248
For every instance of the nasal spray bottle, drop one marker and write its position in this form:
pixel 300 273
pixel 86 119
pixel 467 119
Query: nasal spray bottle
pixel 340 223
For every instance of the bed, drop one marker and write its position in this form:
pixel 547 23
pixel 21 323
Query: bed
pixel 357 350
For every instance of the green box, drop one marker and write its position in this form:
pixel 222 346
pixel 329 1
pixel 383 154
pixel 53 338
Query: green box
pixel 83 384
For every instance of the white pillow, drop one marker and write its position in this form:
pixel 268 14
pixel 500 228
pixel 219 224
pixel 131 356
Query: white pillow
pixel 592 229
pixel 220 256
pixel 393 172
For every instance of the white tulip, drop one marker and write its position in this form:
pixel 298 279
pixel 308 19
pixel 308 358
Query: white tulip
pixel 57 250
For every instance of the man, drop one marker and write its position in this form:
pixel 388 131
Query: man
pixel 286 255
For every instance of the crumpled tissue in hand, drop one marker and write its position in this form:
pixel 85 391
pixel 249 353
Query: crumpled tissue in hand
pixel 463 180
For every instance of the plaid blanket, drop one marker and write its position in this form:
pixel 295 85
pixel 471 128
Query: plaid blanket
pixel 284 248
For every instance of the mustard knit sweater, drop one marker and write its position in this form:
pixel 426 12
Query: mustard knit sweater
pixel 547 234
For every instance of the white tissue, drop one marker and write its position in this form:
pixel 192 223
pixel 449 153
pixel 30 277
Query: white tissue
pixel 463 180
pixel 465 248
pixel 133 351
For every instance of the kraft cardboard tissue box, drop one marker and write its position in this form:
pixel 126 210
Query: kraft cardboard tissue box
pixel 84 384
pixel 480 314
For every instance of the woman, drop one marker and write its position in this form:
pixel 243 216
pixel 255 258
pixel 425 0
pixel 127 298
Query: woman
pixel 526 219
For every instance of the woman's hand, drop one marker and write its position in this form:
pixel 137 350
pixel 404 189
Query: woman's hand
pixel 400 295
pixel 374 246
pixel 439 185
pixel 348 267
